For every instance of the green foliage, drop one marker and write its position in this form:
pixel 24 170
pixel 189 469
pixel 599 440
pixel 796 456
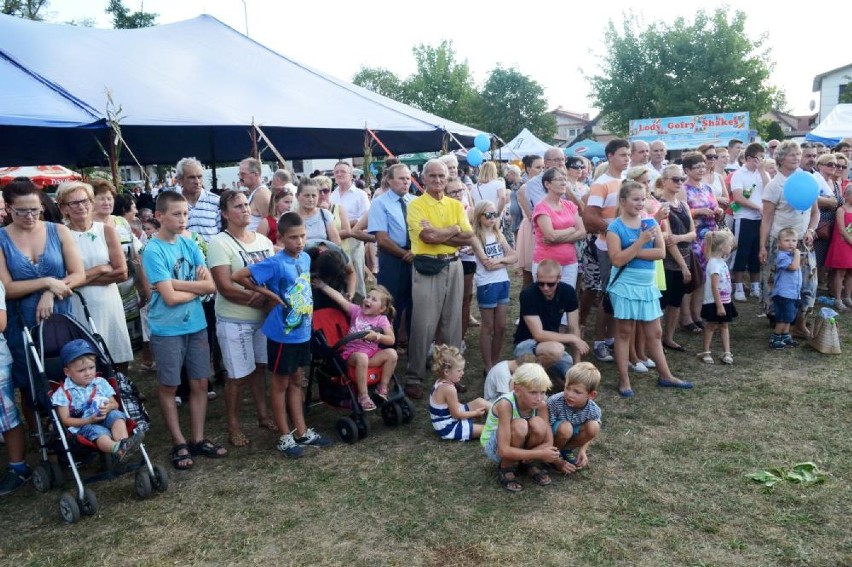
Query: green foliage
pixel 661 69
pixel 508 102
pixel 123 18
pixel 769 130
pixel 846 91
pixel 512 101
pixel 27 9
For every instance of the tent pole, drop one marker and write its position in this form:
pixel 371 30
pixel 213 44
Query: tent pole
pixel 113 162
pixel 214 181
pixel 254 153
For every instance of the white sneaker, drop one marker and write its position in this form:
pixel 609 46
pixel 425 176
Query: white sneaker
pixel 178 401
pixel 650 364
pixel 739 295
pixel 638 367
pixel 755 291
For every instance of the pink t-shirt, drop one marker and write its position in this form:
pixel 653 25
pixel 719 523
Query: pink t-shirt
pixel 359 322
pixel 564 253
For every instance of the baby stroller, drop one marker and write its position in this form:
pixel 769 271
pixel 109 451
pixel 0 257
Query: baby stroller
pixel 335 379
pixel 42 345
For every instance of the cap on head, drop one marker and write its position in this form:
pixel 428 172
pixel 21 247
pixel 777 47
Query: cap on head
pixel 75 349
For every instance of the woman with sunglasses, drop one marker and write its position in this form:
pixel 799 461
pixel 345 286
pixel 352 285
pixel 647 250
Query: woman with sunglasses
pixel 558 225
pixel 106 266
pixel 678 234
pixel 39 268
pixel 830 197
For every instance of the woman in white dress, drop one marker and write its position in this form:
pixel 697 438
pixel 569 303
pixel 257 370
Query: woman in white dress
pixel 103 258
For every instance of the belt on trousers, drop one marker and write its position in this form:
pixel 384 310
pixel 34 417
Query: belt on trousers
pixel 447 257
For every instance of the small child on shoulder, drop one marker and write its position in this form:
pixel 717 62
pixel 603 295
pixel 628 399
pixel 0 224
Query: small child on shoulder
pixel 86 403
pixel 575 417
pixel 374 316
pixel 786 289
pixel 718 308
pixel 518 430
pixel 450 418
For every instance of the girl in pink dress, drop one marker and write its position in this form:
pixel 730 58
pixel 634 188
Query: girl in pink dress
pixel 840 253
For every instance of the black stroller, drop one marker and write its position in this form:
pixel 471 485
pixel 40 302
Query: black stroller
pixel 42 345
pixel 335 380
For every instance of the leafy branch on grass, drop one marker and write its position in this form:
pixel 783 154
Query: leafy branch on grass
pixel 803 473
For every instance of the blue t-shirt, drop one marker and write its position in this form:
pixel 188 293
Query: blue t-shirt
pixel 290 279
pixel 630 235
pixel 173 261
pixel 788 283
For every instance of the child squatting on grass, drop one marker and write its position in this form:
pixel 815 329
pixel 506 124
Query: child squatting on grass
pixel 517 430
pixel 450 418
pixel 373 316
pixel 86 403
pixel 575 417
pixel 718 308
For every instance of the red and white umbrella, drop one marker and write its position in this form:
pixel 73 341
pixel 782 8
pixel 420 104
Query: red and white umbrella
pixel 42 175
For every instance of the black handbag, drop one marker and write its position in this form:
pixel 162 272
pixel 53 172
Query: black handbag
pixel 607 302
pixel 429 266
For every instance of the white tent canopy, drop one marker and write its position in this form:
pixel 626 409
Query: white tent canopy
pixel 837 125
pixel 522 145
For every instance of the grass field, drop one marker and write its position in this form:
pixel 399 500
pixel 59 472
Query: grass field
pixel 666 484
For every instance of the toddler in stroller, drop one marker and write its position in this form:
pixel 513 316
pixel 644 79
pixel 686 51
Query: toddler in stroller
pixel 86 403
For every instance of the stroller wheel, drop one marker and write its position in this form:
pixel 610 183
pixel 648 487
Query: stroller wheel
pixel 41 478
pixel 392 414
pixel 363 426
pixel 57 475
pixel 69 511
pixel 88 503
pixel 143 484
pixel 160 480
pixel 347 430
pixel 407 410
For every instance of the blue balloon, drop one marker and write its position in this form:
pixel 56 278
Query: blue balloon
pixel 474 156
pixel 801 190
pixel 482 142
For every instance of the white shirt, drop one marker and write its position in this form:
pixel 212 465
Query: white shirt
pixel 354 201
pixel 745 181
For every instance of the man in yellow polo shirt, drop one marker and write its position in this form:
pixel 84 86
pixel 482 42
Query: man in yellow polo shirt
pixel 438 226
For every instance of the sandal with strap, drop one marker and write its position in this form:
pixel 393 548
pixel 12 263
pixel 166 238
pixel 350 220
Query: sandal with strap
pixel 382 391
pixel 538 474
pixel 267 423
pixel 508 483
pixel 182 457
pixel 238 439
pixel 366 403
pixel 727 358
pixel 705 357
pixel 207 448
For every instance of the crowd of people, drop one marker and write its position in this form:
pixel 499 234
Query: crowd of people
pixel 225 284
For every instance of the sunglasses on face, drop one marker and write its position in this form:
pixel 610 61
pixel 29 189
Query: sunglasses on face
pixel 829 164
pixel 325 191
pixel 711 156
pixel 548 284
pixel 577 166
pixel 490 215
pixel 678 179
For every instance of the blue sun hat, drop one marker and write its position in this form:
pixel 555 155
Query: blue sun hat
pixel 75 349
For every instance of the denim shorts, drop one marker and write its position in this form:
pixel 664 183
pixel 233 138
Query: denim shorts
pixel 488 296
pixel 94 431
pixel 528 347
pixel 575 428
pixel 490 448
pixel 786 309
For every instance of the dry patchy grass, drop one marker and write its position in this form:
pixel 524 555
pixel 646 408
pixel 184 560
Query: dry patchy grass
pixel 665 486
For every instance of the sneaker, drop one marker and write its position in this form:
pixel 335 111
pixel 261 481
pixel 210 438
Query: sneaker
pixel 650 364
pixel 777 343
pixel 638 367
pixel 789 341
pixel 739 295
pixel 178 401
pixel 840 306
pixel 314 439
pixel 568 455
pixel 847 301
pixel 212 395
pixel 755 291
pixel 13 480
pixel 601 352
pixel 288 446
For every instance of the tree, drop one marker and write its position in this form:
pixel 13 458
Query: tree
pixel 123 18
pixel 28 9
pixel 380 81
pixel 770 130
pixel 708 65
pixel 511 101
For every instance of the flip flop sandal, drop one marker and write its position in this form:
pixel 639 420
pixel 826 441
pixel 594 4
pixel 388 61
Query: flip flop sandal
pixel 366 403
pixel 207 448
pixel 509 484
pixel 182 457
pixel 268 423
pixel 238 439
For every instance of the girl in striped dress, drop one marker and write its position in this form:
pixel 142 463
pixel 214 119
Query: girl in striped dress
pixel 450 418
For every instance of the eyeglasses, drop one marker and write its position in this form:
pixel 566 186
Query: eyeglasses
pixel 80 203
pixel 678 179
pixel 325 191
pixel 455 193
pixel 490 215
pixel 711 156
pixel 548 284
pixel 829 164
pixel 26 212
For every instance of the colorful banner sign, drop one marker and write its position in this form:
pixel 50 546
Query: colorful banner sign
pixel 691 131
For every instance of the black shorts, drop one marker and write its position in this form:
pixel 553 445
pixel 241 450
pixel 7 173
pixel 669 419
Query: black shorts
pixel 708 313
pixel 285 359
pixel 468 267
pixel 675 289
